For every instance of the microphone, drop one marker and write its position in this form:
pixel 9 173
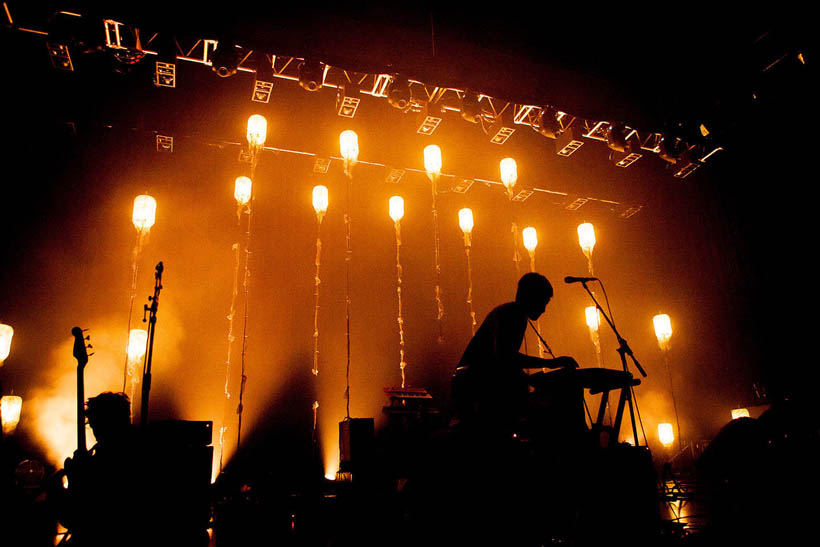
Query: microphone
pixel 571 279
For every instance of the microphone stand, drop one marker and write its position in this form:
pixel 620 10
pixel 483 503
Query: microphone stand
pixel 623 350
pixel 152 324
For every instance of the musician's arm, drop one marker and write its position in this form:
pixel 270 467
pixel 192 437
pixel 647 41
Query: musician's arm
pixel 530 361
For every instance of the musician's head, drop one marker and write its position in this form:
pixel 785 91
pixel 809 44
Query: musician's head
pixel 534 293
pixel 108 414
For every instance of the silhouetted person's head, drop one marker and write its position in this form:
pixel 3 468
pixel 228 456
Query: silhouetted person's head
pixel 534 292
pixel 109 415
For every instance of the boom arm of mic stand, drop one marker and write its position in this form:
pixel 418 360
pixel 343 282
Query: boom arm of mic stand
pixel 623 345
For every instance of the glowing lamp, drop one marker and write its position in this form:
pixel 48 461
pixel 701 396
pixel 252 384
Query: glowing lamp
pixel 242 190
pixel 666 435
pixel 320 199
pixel 6 333
pixel 509 173
pixel 465 220
pixel 432 160
pixel 10 407
pixel 586 237
pixel 740 413
pixel 663 330
pixel 530 238
pixel 257 130
pixel 593 317
pixel 396 208
pixel 349 145
pixel 145 212
pixel 137 341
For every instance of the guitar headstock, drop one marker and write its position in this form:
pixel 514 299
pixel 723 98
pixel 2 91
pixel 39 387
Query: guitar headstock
pixel 80 349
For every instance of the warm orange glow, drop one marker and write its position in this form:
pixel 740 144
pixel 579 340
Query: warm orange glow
pixel 586 237
pixel 396 208
pixel 663 330
pixel 242 190
pixel 349 145
pixel 432 160
pixel 666 435
pixel 6 333
pixel 465 220
pixel 593 317
pixel 10 407
pixel 530 238
pixel 320 199
pixel 509 173
pixel 257 130
pixel 137 340
pixel 145 212
pixel 740 413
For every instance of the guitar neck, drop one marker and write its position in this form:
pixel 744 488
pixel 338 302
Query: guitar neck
pixel 81 444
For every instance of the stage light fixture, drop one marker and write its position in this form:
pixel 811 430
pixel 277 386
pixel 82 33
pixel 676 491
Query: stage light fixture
pixel 593 317
pixel 586 237
pixel 502 127
pixel 398 94
pixel 60 56
pixel 432 160
pixel 165 143
pixel 663 330
pixel 470 107
pixel 225 59
pixel 137 343
pixel 320 199
pixel 257 131
pixel 530 238
pixel 263 81
pixel 669 150
pixel 465 220
pixel 509 174
pixel 6 334
pixel 165 74
pixel 666 435
pixel 685 164
pixel 429 118
pixel 740 413
pixel 145 213
pixel 10 408
pixel 396 208
pixel 311 75
pixel 394 175
pixel 347 99
pixel 547 122
pixel 569 141
pixel 242 190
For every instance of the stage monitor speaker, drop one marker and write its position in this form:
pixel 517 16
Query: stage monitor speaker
pixel 356 444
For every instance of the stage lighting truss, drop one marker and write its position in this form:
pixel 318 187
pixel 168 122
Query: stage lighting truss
pixel 263 79
pixel 321 165
pixel 428 102
pixel 461 186
pixel 394 175
pixel 522 195
pixel 574 203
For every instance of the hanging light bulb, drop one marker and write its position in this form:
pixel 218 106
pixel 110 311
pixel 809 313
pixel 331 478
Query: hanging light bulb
pixel 593 318
pixel 257 130
pixel 10 408
pixel 740 413
pixel 396 208
pixel 586 237
pixel 432 160
pixel 663 330
pixel 242 190
pixel 509 174
pixel 349 146
pixel 137 340
pixel 465 220
pixel 145 212
pixel 6 334
pixel 530 238
pixel 320 199
pixel 666 435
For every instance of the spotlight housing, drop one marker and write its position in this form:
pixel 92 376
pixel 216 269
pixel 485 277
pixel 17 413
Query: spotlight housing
pixel 311 75
pixel 547 123
pixel 669 151
pixel 398 94
pixel 615 138
pixel 470 109
pixel 263 82
pixel 225 59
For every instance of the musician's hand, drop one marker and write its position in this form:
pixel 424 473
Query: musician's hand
pixel 567 363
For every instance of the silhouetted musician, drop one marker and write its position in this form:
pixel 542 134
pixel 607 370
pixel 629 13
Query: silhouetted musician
pixel 490 386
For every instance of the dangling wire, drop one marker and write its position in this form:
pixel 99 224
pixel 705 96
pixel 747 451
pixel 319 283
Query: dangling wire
pixel 467 251
pixel 400 318
pixel 437 245
pixel 231 338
